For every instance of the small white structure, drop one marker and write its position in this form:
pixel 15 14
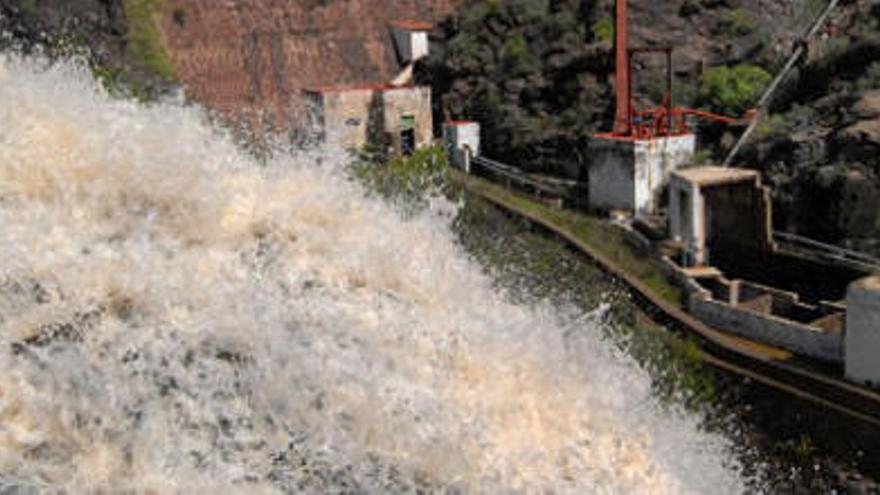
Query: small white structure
pixel 410 39
pixel 719 208
pixel 862 346
pixel 630 174
pixel 462 139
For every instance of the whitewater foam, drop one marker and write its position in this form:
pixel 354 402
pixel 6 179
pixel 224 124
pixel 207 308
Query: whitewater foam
pixel 176 316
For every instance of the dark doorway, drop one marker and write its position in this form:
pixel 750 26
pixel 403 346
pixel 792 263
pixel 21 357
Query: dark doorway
pixel 407 134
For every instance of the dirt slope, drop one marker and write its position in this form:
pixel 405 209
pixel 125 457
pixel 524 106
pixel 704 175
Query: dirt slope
pixel 253 58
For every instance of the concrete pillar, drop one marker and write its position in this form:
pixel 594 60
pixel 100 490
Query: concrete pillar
pixel 734 292
pixel 698 226
pixel 462 141
pixel 630 174
pixel 862 341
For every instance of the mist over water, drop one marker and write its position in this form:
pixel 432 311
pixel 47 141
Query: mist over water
pixel 175 317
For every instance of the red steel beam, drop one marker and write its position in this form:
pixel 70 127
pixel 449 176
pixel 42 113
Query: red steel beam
pixel 623 116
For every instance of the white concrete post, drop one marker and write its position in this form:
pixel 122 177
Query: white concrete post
pixel 862 340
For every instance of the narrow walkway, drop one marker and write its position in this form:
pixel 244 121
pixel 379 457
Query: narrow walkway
pixel 752 360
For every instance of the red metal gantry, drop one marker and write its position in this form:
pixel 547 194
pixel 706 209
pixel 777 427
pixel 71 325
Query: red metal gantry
pixel 663 121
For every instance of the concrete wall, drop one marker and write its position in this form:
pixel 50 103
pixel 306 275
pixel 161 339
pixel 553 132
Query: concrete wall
pixel 631 174
pixel 353 117
pixel 863 331
pixel 459 136
pixel 796 337
pixel 655 160
pixel 612 175
pixel 346 117
pixel 738 217
pixel 686 218
pixel 463 134
pixel 414 101
pixel 419 43
pixel 728 217
pixel 410 45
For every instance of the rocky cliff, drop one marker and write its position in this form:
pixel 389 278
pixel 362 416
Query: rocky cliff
pixel 116 36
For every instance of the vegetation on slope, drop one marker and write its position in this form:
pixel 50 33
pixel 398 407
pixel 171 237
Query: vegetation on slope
pixel 120 39
pixel 732 90
pixel 820 150
pixel 533 72
pixel 145 35
pixel 594 232
pixel 407 181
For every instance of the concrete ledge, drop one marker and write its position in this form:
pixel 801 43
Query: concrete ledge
pixel 762 327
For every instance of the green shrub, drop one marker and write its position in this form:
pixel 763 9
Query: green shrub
pixel 145 36
pixel 732 90
pixel 603 30
pixel 474 16
pixel 526 12
pixel 870 79
pixel 703 156
pixel 737 22
pixel 775 126
pixel 463 46
pixel 516 57
pixel 408 181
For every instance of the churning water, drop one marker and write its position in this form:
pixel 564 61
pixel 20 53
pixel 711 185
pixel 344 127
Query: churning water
pixel 176 317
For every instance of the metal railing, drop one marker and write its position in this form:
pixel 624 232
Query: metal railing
pixel 828 251
pixel 549 185
pixel 562 188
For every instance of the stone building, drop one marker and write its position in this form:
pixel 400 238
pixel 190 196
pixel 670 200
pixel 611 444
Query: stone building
pixel 380 114
pixel 395 114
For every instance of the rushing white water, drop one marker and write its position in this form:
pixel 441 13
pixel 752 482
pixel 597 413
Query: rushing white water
pixel 175 317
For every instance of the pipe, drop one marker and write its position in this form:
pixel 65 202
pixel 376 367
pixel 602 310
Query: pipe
pixel 623 115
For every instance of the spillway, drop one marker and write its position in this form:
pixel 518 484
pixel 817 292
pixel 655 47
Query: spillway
pixel 176 316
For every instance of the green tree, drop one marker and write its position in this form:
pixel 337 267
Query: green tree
pixel 732 90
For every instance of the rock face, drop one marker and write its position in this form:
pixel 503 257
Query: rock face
pixel 820 148
pixel 60 27
pixel 251 60
pixel 538 73
pixel 30 23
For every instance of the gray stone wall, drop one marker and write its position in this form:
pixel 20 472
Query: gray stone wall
pixel 798 338
pixel 612 175
pixel 354 117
